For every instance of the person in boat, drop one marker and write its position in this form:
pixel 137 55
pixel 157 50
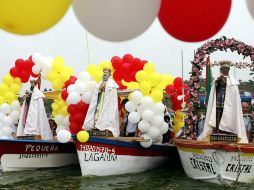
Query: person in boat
pixel 33 119
pixel 224 112
pixel 199 126
pixel 53 126
pixel 167 136
pixel 247 119
pixel 103 113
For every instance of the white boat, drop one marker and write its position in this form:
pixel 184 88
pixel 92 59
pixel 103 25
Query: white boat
pixel 217 162
pixel 103 157
pixel 17 155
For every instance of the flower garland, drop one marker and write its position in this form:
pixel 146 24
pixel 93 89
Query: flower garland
pixel 221 44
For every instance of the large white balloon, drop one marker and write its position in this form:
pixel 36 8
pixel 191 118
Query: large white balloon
pixel 59 128
pixel 72 88
pixel 15 105
pixel 148 143
pixel 36 69
pixel 86 97
pixel 37 58
pixel 143 126
pixel 6 130
pixel 159 108
pixel 84 76
pixel 140 109
pixel 137 97
pixel 80 86
pixel 147 115
pixel 157 120
pixel 5 108
pixel 63 136
pixel 73 98
pixel 153 132
pixel 134 117
pixel 90 86
pixel 116 20
pixel 147 102
pixel 130 106
pixel 15 116
pixel 66 122
pixel 164 128
pixel 59 119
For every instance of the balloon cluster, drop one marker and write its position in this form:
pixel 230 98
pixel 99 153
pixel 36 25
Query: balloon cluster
pixel 178 121
pixel 148 115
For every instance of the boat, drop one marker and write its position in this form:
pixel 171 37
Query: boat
pixel 217 162
pixel 18 155
pixel 115 156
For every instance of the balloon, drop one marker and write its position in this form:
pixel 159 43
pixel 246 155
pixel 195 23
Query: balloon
pixel 80 86
pixel 141 76
pixel 64 95
pixel 72 88
pixel 156 95
pixel 64 75
pixel 134 117
pixel 36 69
pixel 116 62
pixel 31 17
pixel 86 97
pixel 63 136
pixel 164 128
pixel 127 58
pixel 178 82
pixel 59 128
pixel 149 67
pixel 154 79
pixel 8 79
pixel 73 98
pixel 143 126
pixel 170 89
pixel 157 120
pixel 7 120
pixel 15 88
pixel 10 97
pixel 75 128
pixel 153 132
pixel 137 97
pixel 116 20
pixel 58 64
pixel 193 21
pixel 52 76
pixel 159 108
pixel 140 109
pixel 145 87
pixel 83 136
pixel 57 84
pixel 59 119
pixel 6 130
pixel 146 144
pixel 84 76
pixel 78 118
pixel 15 116
pixel 147 102
pixel 147 115
pixel 130 106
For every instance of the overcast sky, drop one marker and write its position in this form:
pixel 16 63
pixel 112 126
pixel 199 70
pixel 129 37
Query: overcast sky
pixel 67 39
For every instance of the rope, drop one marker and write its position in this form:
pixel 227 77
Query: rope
pixel 88 51
pixel 239 164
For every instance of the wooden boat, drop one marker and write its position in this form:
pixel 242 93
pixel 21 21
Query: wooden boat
pixel 17 155
pixel 114 156
pixel 217 162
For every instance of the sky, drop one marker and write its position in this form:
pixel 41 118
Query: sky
pixel 67 39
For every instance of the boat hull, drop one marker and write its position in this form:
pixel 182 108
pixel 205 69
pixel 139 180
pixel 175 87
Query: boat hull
pixel 219 162
pixel 18 155
pixel 103 157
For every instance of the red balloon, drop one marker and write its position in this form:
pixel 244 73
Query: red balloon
pixel 121 86
pixel 75 128
pixel 82 107
pixel 135 64
pixel 71 109
pixel 142 64
pixel 19 63
pixel 77 118
pixel 117 75
pixel 193 21
pixel 71 80
pixel 170 89
pixel 127 58
pixel 178 82
pixel 116 62
pixel 64 95
pixel 114 57
pixel 14 72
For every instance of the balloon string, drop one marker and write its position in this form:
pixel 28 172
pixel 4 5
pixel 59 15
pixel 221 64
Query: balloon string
pixel 88 51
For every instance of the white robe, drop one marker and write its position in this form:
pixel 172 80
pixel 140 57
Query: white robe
pixel 109 116
pixel 232 116
pixel 36 121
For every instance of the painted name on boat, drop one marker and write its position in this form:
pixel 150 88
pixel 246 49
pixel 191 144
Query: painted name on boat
pixel 244 168
pixel 41 148
pixel 202 163
pixel 32 156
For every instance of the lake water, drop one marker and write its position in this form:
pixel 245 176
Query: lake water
pixel 171 177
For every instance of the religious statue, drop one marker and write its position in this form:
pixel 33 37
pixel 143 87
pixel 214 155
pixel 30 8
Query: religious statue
pixel 33 119
pixel 103 113
pixel 224 113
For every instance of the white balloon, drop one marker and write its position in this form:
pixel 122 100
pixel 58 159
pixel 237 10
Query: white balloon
pixel 140 109
pixel 147 115
pixel 159 108
pixel 164 128
pixel 81 87
pixel 44 74
pixel 130 106
pixel 47 64
pixel 84 76
pixel 59 128
pixel 6 130
pixel 73 98
pixel 134 117
pixel 153 132
pixel 157 120
pixel 72 88
pixel 37 58
pixel 137 97
pixel 116 20
pixel 147 102
pixel 5 108
pixel 87 96
pixel 36 69
pixel 15 116
pixel 1 117
pixel 7 120
pixel 90 86
pixel 59 119
pixel 157 139
pixel 146 144
pixel 63 136
pixel 66 122
pixel 143 126
pixel 15 105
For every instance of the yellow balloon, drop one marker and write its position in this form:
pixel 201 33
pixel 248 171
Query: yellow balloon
pixel 54 106
pixel 91 68
pixel 9 97
pixel 180 114
pixel 69 70
pixel 83 136
pixel 64 75
pixel 141 76
pixel 132 85
pixel 157 95
pixel 105 64
pixel 31 16
pixel 8 79
pixel 145 87
pixel 63 111
pixel 57 84
pixel 1 100
pixel 58 64
pixel 97 75
pixel 15 88
pixel 154 79
pixel 3 88
pixel 52 76
pixel 149 67
pixel 17 81
pixel 130 96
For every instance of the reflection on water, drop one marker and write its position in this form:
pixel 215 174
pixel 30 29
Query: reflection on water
pixel 168 178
